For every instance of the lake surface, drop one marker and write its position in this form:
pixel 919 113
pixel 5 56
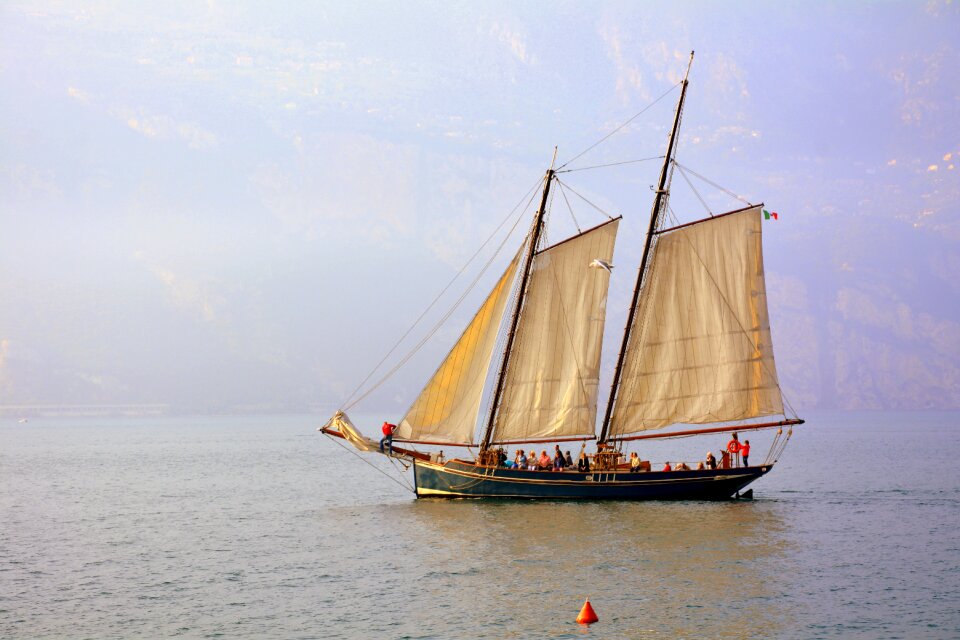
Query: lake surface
pixel 245 527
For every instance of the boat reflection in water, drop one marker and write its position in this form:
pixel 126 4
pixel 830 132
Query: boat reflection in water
pixel 686 569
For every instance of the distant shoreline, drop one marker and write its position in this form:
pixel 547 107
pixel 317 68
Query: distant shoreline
pixel 142 410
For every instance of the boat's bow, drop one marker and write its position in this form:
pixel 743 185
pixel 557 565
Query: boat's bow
pixel 340 426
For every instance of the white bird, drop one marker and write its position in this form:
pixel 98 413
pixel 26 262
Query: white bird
pixel 602 264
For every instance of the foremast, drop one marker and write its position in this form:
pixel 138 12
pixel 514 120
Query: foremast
pixel 535 234
pixel 659 205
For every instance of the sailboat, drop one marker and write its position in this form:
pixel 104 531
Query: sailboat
pixel 696 350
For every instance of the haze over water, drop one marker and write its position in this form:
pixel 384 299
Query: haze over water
pixel 229 208
pixel 260 527
pixel 219 207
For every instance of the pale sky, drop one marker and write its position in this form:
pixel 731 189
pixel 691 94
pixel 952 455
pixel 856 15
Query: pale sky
pixel 226 206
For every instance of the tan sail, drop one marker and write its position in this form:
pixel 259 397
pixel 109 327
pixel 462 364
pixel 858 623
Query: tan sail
pixel 700 349
pixel 342 424
pixel 447 408
pixel 550 388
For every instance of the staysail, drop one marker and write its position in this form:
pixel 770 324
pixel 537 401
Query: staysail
pixel 447 408
pixel 550 389
pixel 699 348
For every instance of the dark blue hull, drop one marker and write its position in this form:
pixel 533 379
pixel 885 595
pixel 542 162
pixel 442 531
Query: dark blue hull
pixel 457 479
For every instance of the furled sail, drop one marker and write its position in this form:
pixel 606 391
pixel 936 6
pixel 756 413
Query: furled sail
pixel 550 388
pixel 342 424
pixel 699 349
pixel 447 408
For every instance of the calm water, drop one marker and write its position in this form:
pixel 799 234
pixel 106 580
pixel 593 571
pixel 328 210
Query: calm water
pixel 262 528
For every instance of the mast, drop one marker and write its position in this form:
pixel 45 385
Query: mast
pixel 534 240
pixel 659 203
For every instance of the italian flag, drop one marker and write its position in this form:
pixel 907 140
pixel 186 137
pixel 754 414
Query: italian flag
pixel 767 215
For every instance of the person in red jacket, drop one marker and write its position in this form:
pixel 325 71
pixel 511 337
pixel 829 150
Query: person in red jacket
pixel 744 452
pixel 387 438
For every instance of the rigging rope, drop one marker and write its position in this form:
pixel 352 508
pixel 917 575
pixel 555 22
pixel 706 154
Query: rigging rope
pixel 632 118
pixel 683 174
pixel 439 323
pixel 612 164
pixel 349 401
pixel 772 446
pixel 714 184
pixel 518 298
pixel 574 191
pixel 405 485
pixel 672 217
pixel 783 445
pixel 569 208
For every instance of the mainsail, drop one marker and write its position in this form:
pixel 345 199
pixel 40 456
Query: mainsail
pixel 699 348
pixel 550 388
pixel 447 408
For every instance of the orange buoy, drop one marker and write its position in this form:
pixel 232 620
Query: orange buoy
pixel 587 614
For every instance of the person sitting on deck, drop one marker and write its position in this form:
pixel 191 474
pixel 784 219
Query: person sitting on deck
pixel 558 461
pixel 634 462
pixel 711 461
pixel 666 466
pixel 700 466
pixel 583 464
pixel 745 452
pixel 532 460
pixel 568 461
pixel 521 460
pixel 501 457
pixel 682 467
pixel 544 464
pixel 387 438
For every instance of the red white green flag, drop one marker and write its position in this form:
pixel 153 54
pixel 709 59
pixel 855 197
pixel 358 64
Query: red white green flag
pixel 767 215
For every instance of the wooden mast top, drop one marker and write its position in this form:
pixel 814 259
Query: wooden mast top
pixel 514 321
pixel 659 204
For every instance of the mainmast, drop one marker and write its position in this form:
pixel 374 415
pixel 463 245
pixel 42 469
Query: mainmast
pixel 531 252
pixel 659 204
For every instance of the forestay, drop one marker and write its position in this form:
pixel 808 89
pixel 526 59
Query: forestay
pixel 700 349
pixel 550 388
pixel 447 408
